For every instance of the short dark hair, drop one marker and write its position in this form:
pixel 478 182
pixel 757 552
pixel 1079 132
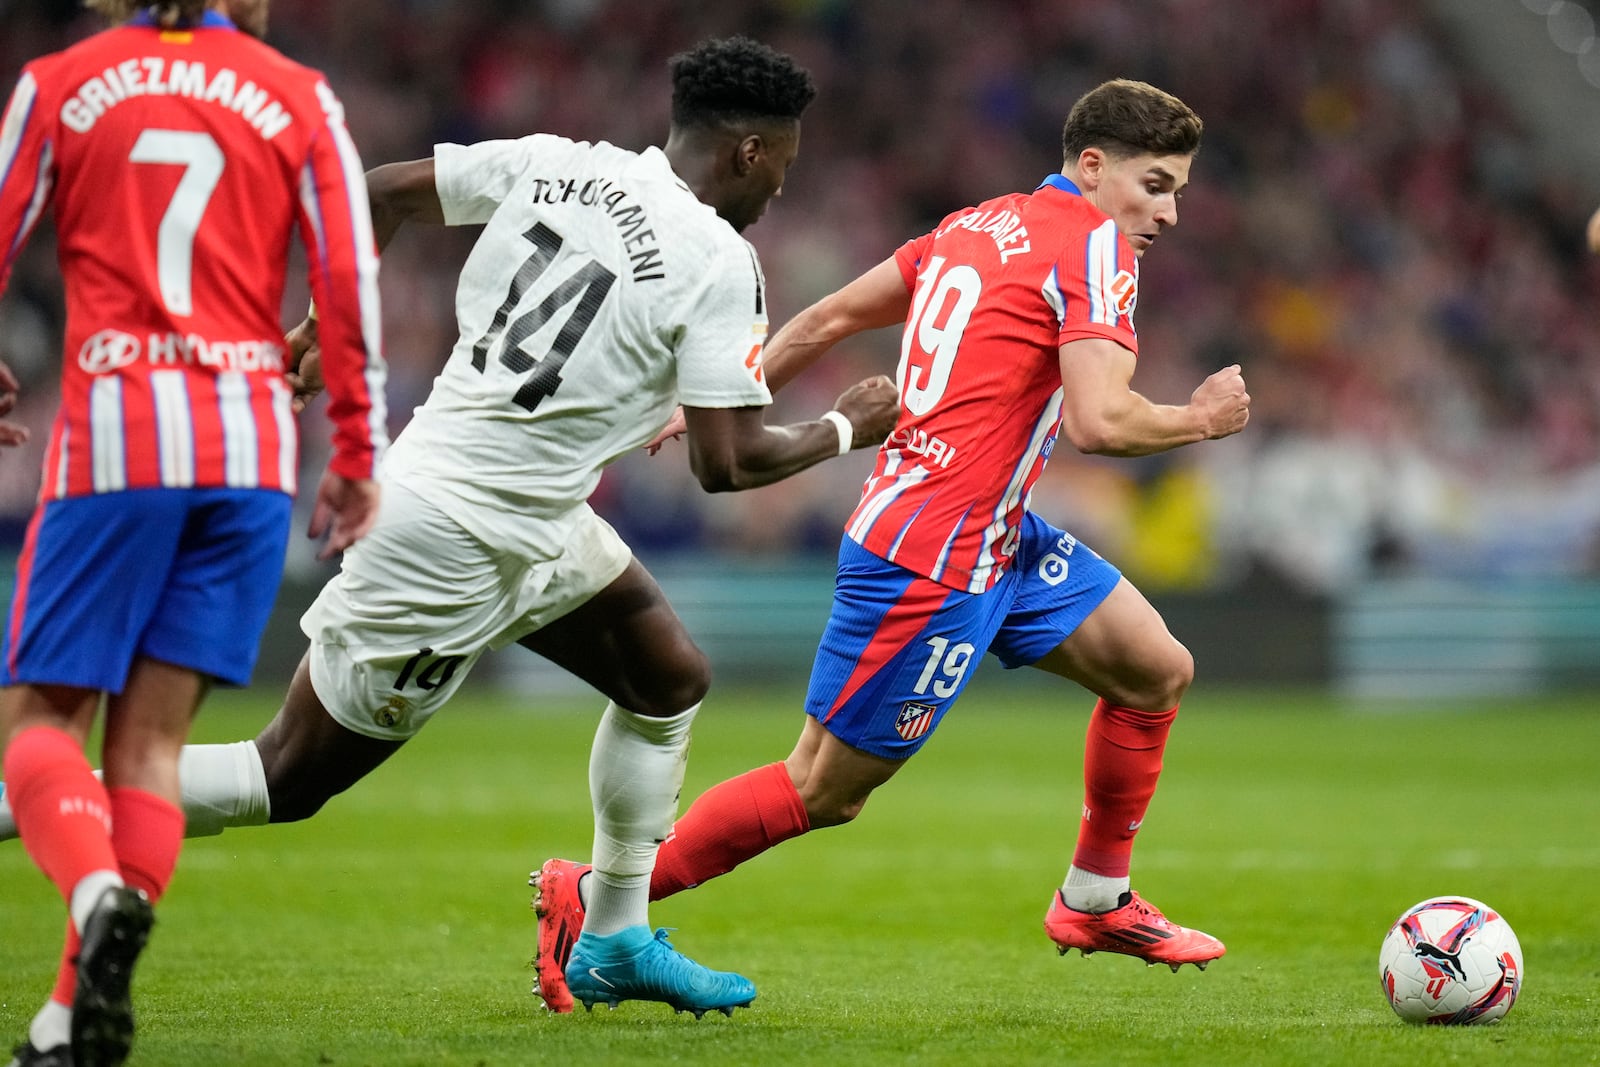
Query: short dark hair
pixel 735 79
pixel 1130 118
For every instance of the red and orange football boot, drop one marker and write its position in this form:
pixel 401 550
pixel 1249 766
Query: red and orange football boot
pixel 1135 928
pixel 559 906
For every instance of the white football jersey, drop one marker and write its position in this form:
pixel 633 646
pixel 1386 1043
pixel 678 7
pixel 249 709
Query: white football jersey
pixel 601 294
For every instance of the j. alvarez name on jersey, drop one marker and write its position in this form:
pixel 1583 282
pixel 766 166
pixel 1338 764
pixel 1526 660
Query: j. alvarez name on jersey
pixel 1004 227
pixel 638 238
pixel 154 76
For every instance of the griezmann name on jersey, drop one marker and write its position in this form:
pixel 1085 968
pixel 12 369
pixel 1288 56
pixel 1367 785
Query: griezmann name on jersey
pixel 179 164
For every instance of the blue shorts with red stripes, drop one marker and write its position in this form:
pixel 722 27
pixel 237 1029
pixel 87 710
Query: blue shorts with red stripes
pixel 184 576
pixel 899 648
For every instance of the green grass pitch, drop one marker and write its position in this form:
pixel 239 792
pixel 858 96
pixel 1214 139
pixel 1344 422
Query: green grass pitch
pixel 395 929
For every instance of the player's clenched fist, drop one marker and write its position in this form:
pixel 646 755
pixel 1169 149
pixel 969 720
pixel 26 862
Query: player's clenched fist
pixel 1223 401
pixel 873 407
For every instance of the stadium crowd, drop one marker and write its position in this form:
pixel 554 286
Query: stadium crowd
pixel 1365 234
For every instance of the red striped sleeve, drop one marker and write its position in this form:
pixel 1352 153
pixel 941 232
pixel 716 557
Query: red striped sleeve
pixel 336 225
pixel 26 162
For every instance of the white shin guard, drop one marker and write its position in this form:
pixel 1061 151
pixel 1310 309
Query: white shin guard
pixel 635 775
pixel 223 786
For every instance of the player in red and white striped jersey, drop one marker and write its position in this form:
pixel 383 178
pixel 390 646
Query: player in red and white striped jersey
pixel 1017 326
pixel 178 164
pixel 993 287
pixel 179 153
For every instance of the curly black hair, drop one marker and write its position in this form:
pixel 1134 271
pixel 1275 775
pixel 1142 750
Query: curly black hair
pixel 736 78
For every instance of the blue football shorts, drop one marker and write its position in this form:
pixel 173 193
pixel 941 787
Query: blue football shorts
pixel 184 576
pixel 899 648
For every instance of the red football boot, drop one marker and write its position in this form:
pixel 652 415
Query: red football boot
pixel 1137 928
pixel 560 909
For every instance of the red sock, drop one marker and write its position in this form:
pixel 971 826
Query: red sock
pixel 147 833
pixel 67 975
pixel 1121 763
pixel 62 812
pixel 729 823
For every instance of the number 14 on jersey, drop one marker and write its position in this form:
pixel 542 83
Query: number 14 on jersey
pixel 585 289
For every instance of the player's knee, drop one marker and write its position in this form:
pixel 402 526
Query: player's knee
pixel 694 681
pixel 1173 676
pixel 680 686
pixel 1163 676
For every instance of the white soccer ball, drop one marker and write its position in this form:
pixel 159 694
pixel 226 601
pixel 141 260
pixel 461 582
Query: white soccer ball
pixel 1450 961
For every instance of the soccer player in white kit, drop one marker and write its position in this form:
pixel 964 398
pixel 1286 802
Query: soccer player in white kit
pixel 607 287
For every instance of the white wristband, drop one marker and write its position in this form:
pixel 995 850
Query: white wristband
pixel 847 432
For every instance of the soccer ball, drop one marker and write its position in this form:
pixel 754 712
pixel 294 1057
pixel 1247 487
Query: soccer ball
pixel 1450 961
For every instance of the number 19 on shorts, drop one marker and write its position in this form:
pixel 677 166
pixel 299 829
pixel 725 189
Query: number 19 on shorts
pixel 946 668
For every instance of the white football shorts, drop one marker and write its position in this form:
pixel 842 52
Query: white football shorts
pixel 419 599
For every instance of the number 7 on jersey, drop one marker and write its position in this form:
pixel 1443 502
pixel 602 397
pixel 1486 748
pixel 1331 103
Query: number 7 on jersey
pixel 202 164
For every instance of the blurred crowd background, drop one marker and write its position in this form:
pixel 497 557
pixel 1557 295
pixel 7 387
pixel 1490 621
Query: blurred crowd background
pixel 1368 232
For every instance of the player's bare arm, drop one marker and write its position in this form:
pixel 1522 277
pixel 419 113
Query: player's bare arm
pixel 1594 231
pixel 401 193
pixel 732 448
pixel 876 299
pixel 1103 415
pixel 872 301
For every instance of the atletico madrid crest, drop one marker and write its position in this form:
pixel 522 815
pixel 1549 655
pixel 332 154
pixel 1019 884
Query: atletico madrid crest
pixel 914 720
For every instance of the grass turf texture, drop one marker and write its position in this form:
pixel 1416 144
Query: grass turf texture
pixel 395 929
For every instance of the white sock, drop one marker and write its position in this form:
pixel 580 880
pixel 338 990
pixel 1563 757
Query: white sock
pixel 1087 891
pixel 51 1027
pixel 635 775
pixel 617 902
pixel 222 786
pixel 86 894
